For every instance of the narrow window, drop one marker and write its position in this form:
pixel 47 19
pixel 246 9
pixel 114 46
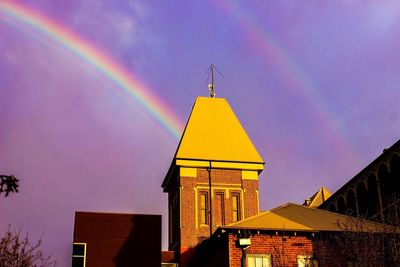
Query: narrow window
pixel 235 207
pixel 79 255
pixel 259 260
pixel 203 208
pixel 219 209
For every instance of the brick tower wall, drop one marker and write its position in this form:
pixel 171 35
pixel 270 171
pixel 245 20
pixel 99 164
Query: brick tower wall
pixel 225 183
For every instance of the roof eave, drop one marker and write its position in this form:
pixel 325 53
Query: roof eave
pixel 271 229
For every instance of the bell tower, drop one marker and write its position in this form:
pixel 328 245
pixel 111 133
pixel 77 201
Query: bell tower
pixel 213 177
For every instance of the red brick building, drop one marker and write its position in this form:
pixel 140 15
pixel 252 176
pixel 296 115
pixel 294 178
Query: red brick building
pixel 213 204
pixel 290 235
pixel 213 178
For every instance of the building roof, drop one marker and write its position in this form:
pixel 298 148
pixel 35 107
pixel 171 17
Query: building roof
pixel 214 138
pixel 213 132
pixel 386 153
pixel 318 198
pixel 294 217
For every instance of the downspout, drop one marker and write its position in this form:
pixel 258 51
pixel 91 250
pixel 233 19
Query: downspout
pixel 210 193
pixel 244 255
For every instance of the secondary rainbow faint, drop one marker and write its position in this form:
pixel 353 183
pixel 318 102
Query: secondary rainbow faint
pixel 273 52
pixel 103 63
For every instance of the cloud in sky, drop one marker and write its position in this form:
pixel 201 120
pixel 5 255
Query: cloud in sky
pixel 116 26
pixel 385 14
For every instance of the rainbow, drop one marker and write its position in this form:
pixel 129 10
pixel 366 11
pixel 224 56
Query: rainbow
pixel 96 58
pixel 293 74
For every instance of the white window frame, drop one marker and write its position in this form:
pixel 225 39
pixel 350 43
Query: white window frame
pixel 263 256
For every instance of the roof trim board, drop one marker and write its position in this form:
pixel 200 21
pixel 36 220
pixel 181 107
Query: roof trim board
pixel 219 164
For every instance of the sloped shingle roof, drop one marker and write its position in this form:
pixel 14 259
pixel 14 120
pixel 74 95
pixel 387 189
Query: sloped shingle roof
pixel 294 217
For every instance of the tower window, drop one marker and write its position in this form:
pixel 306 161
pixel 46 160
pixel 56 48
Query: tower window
pixel 235 207
pixel 219 211
pixel 203 208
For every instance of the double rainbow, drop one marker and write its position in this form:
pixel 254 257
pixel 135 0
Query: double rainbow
pixel 103 63
pixel 270 50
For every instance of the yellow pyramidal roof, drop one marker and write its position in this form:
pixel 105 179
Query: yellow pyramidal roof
pixel 214 133
pixel 318 198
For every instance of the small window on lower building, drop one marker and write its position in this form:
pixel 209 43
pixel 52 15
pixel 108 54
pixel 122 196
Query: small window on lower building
pixel 259 260
pixel 306 261
pixel 79 255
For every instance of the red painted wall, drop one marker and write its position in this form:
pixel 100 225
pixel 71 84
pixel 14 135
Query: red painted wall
pixel 119 239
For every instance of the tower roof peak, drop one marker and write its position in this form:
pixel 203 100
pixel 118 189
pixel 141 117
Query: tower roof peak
pixel 213 132
pixel 214 138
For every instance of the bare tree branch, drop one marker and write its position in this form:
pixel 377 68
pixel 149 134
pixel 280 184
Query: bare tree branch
pixel 17 251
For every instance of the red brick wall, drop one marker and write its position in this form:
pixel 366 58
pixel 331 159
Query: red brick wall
pixel 250 197
pixel 285 249
pixel 330 253
pixel 189 233
pixel 221 180
pixel 184 217
pixel 282 252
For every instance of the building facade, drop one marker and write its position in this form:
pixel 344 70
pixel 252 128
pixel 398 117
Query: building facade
pixel 374 192
pixel 290 235
pixel 213 178
pixel 214 216
pixel 115 239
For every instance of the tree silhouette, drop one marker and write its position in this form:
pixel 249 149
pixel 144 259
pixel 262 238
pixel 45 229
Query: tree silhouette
pixel 17 251
pixel 8 183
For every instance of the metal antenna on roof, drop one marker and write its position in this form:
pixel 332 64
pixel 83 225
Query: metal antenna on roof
pixel 211 86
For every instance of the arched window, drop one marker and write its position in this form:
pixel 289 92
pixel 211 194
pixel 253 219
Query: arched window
pixel 351 203
pixel 372 196
pixel 386 184
pixel 395 172
pixel 341 206
pixel 362 199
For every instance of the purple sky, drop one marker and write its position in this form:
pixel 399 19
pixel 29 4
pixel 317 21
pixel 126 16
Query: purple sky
pixel 315 84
